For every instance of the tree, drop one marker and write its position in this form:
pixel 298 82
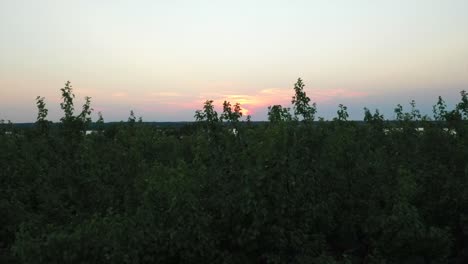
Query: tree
pixel 277 113
pixel 227 111
pixel 300 103
pixel 41 121
pixel 100 122
pixel 248 119
pixel 373 118
pixel 132 117
pixel 462 107
pixel 208 114
pixel 67 104
pixel 399 113
pixel 74 124
pixel 231 114
pixel 342 113
pixel 415 113
pixel 237 113
pixel 85 115
pixel 440 110
pixel 332 192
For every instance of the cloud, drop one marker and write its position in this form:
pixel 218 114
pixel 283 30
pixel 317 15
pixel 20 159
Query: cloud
pixel 252 102
pixel 275 91
pixel 119 94
pixel 275 94
pixel 259 100
pixel 316 94
pixel 166 94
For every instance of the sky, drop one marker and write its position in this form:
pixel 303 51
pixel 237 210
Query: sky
pixel 163 59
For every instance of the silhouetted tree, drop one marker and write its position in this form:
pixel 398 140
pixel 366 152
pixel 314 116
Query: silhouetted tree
pixel 277 113
pixel 342 113
pixel 42 111
pixel 440 110
pixel 300 103
pixel 208 114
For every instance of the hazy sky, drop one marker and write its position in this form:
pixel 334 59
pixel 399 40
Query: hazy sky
pixel 164 58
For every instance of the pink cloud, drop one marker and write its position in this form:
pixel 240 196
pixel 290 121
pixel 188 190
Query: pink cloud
pixel 259 100
pixel 251 102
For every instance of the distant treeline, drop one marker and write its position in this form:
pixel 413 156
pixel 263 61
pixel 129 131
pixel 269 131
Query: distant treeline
pixel 93 126
pixel 223 189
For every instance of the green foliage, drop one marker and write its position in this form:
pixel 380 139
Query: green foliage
pixel 414 115
pixel 42 111
pixel 208 114
pixel 74 125
pixel 231 114
pixel 100 122
pixel 462 107
pixel 132 117
pixel 85 115
pixel 399 113
pixel 301 105
pixel 41 121
pixel 440 110
pixel 277 113
pixel 373 118
pixel 67 104
pixel 342 113
pixel 312 192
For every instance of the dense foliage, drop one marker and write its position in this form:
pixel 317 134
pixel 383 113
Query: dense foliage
pixel 223 190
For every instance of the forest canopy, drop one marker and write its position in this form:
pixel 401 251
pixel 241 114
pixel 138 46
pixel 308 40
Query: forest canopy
pixel 295 189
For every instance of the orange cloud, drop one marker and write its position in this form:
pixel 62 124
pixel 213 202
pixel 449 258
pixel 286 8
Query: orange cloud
pixel 250 103
pixel 256 101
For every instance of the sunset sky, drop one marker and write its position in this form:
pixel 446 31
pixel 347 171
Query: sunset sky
pixel 163 59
